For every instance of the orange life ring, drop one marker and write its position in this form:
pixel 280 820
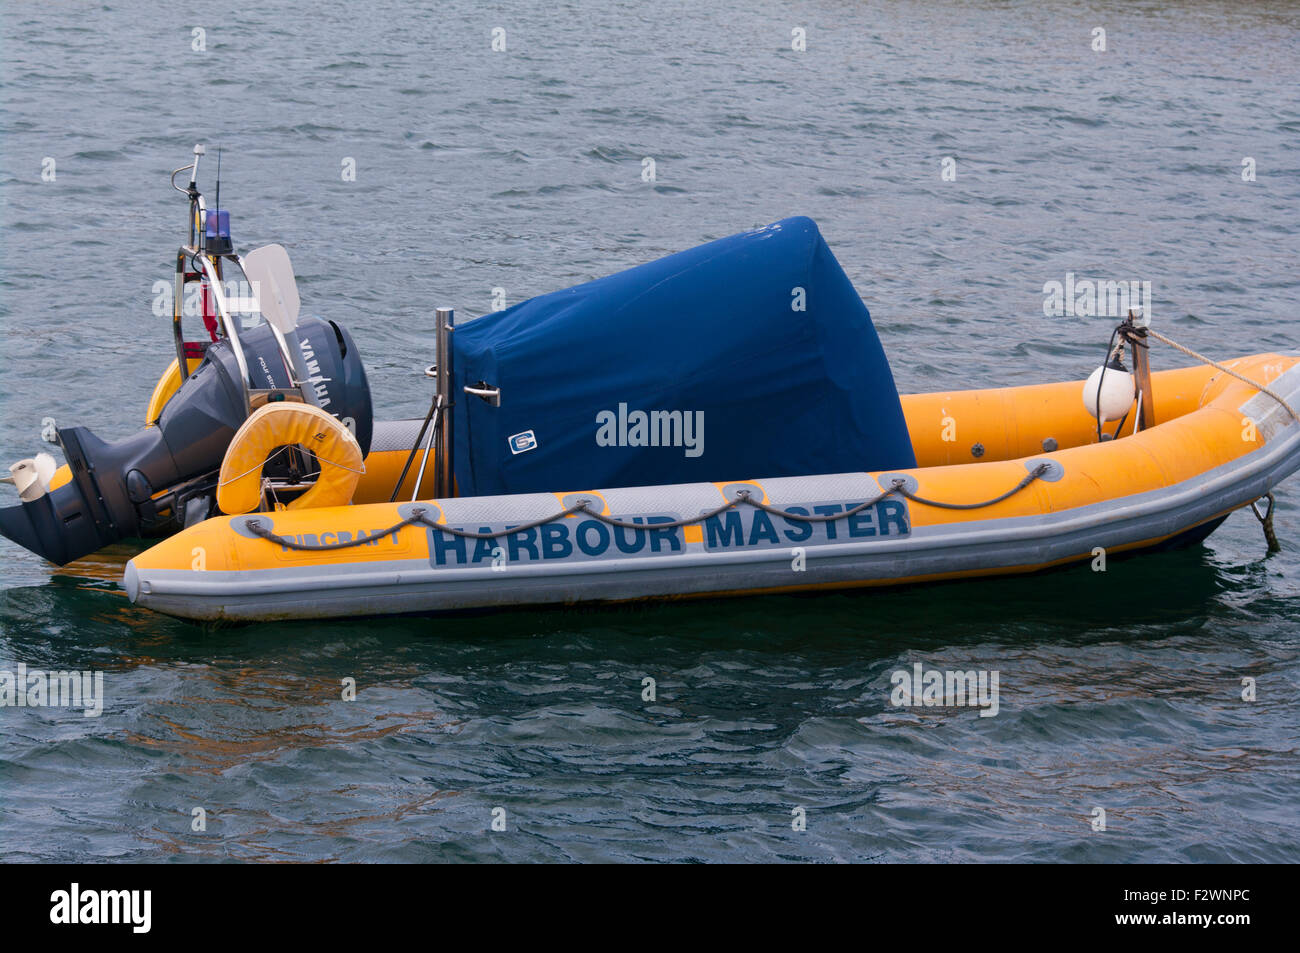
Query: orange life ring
pixel 239 486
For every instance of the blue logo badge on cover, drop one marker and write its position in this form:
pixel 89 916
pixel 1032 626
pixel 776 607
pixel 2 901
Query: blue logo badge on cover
pixel 522 442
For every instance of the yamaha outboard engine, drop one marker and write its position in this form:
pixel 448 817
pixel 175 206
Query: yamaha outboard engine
pixel 147 483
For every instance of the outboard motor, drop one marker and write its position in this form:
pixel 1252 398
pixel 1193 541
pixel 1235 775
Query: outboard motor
pixel 152 481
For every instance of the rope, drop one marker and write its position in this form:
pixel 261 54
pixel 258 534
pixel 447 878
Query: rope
pixel 1030 477
pixel 417 516
pixel 1266 521
pixel 283 449
pixel 1227 370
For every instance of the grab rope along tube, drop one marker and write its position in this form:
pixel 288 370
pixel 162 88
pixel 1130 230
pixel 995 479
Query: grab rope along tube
pixel 417 516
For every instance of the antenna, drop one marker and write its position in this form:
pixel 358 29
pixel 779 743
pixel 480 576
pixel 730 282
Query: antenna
pixel 194 169
pixel 218 178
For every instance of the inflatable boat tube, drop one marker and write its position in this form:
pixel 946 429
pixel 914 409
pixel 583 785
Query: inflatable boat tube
pixel 1009 481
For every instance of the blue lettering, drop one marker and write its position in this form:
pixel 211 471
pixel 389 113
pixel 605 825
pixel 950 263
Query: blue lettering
pixel 555 541
pixel 860 524
pixel 804 530
pixel 763 529
pixel 638 537
pixel 892 512
pixel 664 535
pixel 483 548
pixel 524 540
pixel 602 536
pixel 830 509
pixel 444 543
pixel 730 534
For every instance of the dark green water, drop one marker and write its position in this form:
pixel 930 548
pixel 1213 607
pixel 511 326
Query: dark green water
pixel 522 170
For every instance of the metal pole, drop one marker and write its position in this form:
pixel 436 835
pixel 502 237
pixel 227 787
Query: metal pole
pixel 444 479
pixel 433 433
pixel 178 307
pixel 1142 374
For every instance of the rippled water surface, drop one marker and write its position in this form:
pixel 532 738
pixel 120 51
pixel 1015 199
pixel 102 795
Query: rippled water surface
pixel 522 170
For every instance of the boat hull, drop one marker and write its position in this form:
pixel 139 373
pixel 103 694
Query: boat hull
pixel 1227 446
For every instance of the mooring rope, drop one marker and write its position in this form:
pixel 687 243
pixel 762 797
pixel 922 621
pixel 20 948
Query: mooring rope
pixel 1266 521
pixel 1227 370
pixel 417 517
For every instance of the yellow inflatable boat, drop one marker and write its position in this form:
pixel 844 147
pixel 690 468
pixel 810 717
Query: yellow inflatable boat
pixel 721 421
pixel 1220 446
